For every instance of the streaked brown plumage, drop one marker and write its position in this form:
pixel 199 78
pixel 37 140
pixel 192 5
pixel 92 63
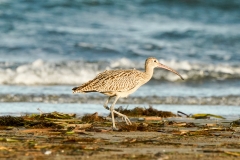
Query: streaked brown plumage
pixel 121 83
pixel 110 82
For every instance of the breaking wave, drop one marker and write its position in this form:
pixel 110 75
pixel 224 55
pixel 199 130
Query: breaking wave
pixel 42 72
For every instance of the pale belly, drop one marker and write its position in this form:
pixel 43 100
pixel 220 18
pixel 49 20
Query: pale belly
pixel 127 93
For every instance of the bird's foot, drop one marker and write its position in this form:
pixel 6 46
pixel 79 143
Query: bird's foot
pixel 127 120
pixel 124 117
pixel 115 129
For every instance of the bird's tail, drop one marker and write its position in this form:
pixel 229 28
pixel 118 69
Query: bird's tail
pixel 77 90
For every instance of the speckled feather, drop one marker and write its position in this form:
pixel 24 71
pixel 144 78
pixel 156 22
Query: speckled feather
pixel 113 81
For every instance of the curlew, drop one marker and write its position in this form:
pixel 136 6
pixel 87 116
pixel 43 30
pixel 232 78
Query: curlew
pixel 121 83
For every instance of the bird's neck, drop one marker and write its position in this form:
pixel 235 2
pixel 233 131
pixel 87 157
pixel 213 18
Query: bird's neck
pixel 149 71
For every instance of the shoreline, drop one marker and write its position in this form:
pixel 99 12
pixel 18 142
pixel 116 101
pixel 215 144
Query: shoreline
pixel 61 136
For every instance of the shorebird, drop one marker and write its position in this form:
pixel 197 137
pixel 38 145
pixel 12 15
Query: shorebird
pixel 121 83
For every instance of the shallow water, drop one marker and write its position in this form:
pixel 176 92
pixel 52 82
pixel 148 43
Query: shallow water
pixel 17 109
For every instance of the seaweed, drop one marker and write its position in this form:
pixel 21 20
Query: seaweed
pixel 125 127
pixel 35 120
pixel 11 121
pixel 51 135
pixel 198 115
pixel 236 123
pixel 140 111
pixel 53 115
pixel 93 118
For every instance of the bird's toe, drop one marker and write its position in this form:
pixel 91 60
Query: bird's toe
pixel 127 120
pixel 106 107
pixel 115 129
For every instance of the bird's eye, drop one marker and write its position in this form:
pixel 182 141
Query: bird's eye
pixel 155 60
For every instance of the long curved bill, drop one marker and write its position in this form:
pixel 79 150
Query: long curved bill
pixel 170 69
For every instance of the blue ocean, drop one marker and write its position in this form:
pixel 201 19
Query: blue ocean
pixel 49 47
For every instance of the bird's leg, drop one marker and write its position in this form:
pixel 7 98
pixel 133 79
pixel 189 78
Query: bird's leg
pixel 106 103
pixel 112 113
pixel 120 114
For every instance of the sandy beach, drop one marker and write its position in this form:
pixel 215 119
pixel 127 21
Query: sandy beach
pixel 61 136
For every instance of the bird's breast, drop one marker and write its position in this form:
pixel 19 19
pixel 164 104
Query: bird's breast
pixel 127 93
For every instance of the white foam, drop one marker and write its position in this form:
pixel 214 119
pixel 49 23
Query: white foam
pixel 72 30
pixel 41 72
pixel 123 62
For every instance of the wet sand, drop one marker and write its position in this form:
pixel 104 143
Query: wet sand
pixel 148 138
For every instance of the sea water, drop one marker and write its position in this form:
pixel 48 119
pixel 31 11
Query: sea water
pixel 47 48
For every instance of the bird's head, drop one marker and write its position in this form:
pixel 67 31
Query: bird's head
pixel 154 63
